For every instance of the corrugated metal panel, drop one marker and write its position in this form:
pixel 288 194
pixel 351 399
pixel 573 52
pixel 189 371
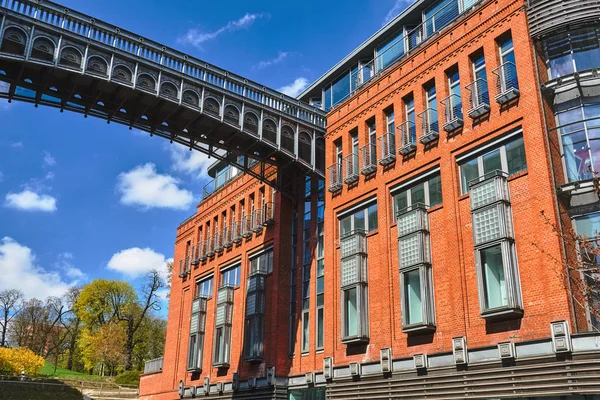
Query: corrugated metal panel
pixel 553 378
pixel 546 16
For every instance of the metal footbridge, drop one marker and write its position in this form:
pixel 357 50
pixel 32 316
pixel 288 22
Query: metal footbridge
pixel 59 57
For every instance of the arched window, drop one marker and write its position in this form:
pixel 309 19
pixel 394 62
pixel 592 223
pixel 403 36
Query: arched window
pixel 146 82
pixel 211 106
pixel 232 115
pixel 70 57
pixel 13 41
pixel 320 154
pixel 304 147
pixel 288 137
pixel 190 97
pixel 122 74
pixel 169 90
pixel 251 123
pixel 97 65
pixel 43 49
pixel 269 130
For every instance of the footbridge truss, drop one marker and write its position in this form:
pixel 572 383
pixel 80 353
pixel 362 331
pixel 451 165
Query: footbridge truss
pixel 58 57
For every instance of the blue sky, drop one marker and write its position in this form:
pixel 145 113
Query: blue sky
pixel 81 199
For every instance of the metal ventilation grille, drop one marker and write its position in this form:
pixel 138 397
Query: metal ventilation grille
pixel 547 16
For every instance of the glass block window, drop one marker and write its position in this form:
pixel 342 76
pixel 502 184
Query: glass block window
pixel 414 258
pixel 508 156
pixel 427 191
pixel 223 320
pixel 196 341
pixel 497 269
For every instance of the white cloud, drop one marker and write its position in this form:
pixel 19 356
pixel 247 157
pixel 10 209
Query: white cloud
pixel 17 145
pixel 189 162
pixel 143 186
pixel 196 38
pixel 135 262
pixel 398 7
pixel 1 176
pixel 50 176
pixel 28 200
pixel 49 161
pixel 19 270
pixel 294 88
pixel 64 262
pixel 274 61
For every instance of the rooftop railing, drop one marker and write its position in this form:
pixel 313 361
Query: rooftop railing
pixel 72 21
pixel 407 43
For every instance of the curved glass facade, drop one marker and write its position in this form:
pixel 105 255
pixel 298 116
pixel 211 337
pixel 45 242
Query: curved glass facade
pixel 573 51
pixel 578 126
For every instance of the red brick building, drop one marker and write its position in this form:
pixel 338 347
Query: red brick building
pixel 422 266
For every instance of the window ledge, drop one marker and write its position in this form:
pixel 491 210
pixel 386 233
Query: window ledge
pixel 305 354
pixel 321 351
pixel 505 313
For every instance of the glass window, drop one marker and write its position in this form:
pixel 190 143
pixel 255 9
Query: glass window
pixel 204 288
pixel 479 90
pixel 576 50
pixel 262 263
pixel 231 277
pixel 305 331
pixel 508 157
pixel 440 15
pixel 389 52
pixel 340 89
pixel 351 312
pixel 428 192
pixel 389 121
pixel 364 218
pixel 588 225
pixel 454 102
pixel 412 294
pixel 493 277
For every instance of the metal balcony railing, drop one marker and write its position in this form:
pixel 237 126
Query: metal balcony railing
pixel 351 168
pixel 369 159
pixel 507 84
pixel 218 240
pixel 480 98
pixel 407 43
pixel 247 226
pixel 408 138
pixel 237 231
pixel 387 146
pixel 195 253
pixel 184 267
pixel 453 116
pixel 210 246
pixel 155 365
pixel 269 214
pixel 257 220
pixel 335 177
pixel 429 126
pixel 228 237
pixel 203 250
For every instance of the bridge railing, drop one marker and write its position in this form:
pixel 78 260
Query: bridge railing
pixel 109 35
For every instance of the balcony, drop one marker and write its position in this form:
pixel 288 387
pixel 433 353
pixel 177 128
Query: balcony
pixel 429 126
pixel 507 84
pixel 228 237
pixel 269 214
pixel 247 226
pixel 218 241
pixel 480 98
pixel 237 231
pixel 453 116
pixel 210 247
pixel 387 144
pixel 203 250
pixel 369 159
pixel 184 267
pixel 195 255
pixel 152 366
pixel 408 138
pixel 351 168
pixel 335 177
pixel 257 220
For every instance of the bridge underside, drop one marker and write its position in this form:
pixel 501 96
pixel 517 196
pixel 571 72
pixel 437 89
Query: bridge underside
pixel 45 85
pixel 57 57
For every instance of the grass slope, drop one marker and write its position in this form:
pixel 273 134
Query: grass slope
pixel 63 373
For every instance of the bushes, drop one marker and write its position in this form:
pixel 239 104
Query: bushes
pixel 128 378
pixel 13 361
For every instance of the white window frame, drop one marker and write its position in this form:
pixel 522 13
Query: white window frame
pixel 353 210
pixel 202 280
pixel 406 186
pixel 390 122
pixel 260 254
pixel 228 268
